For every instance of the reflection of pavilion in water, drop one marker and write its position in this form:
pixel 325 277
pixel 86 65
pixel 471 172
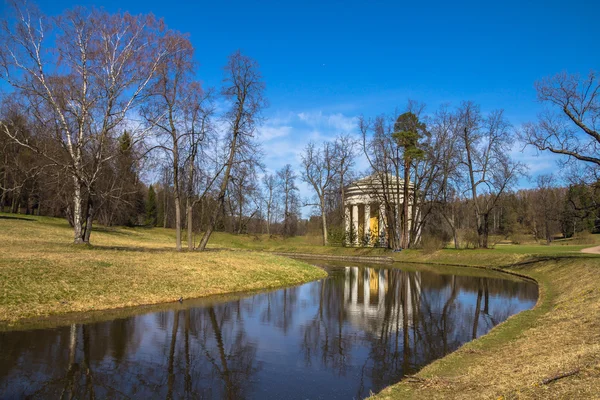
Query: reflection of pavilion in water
pixel 367 290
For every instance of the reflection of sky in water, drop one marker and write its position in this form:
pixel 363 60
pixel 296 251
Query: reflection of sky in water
pixel 355 332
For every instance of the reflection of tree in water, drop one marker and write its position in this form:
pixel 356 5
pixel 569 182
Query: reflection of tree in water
pixel 323 336
pixel 280 307
pixel 381 304
pixel 378 324
pixel 72 373
pixel 391 353
pixel 200 353
pixel 407 319
pixel 216 358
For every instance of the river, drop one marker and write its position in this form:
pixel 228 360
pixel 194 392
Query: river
pixel 343 337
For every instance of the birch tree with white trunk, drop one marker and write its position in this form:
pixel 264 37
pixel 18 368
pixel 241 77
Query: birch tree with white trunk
pixel 82 74
pixel 320 169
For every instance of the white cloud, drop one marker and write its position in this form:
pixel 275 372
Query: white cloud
pixel 270 132
pixel 536 162
pixel 285 135
pixel 332 122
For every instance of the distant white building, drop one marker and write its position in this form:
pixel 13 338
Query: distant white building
pixel 364 203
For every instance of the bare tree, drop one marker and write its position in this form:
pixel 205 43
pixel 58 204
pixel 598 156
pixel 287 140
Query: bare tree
pixel 270 198
pixel 198 110
pixel 449 180
pixel 570 125
pixel 485 145
pixel 243 88
pixel 286 178
pixel 244 195
pixel 384 155
pixel 19 166
pixel 319 169
pixel 82 75
pixel 345 153
pixel 547 201
pixel 168 109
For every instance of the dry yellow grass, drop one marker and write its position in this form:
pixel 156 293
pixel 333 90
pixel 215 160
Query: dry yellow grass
pixel 41 274
pixel 562 334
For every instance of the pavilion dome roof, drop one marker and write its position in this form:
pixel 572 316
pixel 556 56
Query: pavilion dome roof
pixel 373 187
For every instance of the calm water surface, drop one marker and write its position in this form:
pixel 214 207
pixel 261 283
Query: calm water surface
pixel 342 337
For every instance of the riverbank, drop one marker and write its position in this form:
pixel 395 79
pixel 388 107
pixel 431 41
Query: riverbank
pixel 42 274
pixel 551 351
pixel 557 342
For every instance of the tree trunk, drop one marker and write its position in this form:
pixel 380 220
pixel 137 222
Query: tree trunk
pixel 77 213
pixel 190 203
pixel 177 198
pixel 285 217
pixel 269 220
pixel 455 237
pixel 452 225
pixel 240 218
pixel 343 194
pixel 206 236
pixel 165 200
pixel 177 221
pixel 324 220
pixel 405 197
pixel 221 199
pixel 88 220
pixel 485 231
pixel 190 237
pixel 16 198
pixel 473 189
pixel 4 184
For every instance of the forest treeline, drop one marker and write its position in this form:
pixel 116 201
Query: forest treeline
pixel 106 122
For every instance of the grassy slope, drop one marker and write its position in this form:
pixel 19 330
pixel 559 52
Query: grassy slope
pixel 561 334
pixel 41 274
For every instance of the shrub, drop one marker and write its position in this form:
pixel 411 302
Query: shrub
pixel 336 236
pixel 583 238
pixel 518 238
pixel 471 239
pixel 432 243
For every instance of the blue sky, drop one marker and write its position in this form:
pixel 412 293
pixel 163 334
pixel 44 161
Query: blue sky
pixel 324 63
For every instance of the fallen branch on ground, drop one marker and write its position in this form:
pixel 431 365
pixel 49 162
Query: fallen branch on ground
pixel 560 376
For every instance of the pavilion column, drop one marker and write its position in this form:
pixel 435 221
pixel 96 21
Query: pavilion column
pixel 367 224
pixel 355 223
pixel 382 224
pixel 347 220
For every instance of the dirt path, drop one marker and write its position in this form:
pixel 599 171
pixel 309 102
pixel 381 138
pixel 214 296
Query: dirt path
pixel 591 250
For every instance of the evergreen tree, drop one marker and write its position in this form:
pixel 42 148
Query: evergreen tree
pixel 408 131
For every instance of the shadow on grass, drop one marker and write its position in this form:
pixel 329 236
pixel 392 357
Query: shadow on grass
pixel 140 249
pixel 16 218
pixel 110 231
